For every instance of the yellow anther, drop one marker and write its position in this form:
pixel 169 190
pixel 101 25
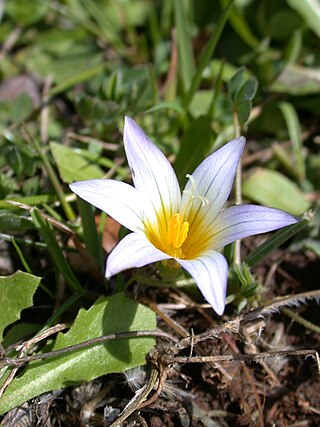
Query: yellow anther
pixel 177 231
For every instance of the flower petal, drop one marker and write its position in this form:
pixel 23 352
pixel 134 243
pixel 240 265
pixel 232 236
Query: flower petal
pixel 210 272
pixel 241 221
pixel 119 200
pixel 214 178
pixel 152 173
pixel 133 251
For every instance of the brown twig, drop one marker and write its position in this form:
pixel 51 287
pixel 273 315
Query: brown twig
pixel 16 362
pixel 24 349
pixel 227 358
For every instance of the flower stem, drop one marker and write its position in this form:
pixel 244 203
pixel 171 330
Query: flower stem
pixel 238 192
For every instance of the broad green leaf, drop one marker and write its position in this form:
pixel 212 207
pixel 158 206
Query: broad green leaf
pixel 200 103
pixel 273 189
pixel 107 316
pixel 73 167
pixel 283 23
pixel 16 293
pixel 195 146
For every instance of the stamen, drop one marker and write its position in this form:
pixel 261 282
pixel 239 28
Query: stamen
pixel 204 201
pixel 193 182
pixel 177 231
pixel 192 194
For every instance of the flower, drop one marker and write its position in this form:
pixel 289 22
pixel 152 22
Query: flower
pixel 190 227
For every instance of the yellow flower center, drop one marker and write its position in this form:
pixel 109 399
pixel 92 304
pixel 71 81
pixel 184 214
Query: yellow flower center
pixel 181 234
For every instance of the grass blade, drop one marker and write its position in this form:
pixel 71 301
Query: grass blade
pixel 206 55
pixel 55 251
pixel 294 130
pixel 186 59
pixel 90 235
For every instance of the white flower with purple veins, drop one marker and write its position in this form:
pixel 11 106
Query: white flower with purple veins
pixel 190 227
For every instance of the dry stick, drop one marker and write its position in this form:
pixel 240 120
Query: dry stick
pixel 7 361
pixel 25 348
pixel 110 146
pixel 44 114
pixel 252 348
pixel 246 357
pixel 138 399
pixel 184 333
pixel 299 319
pixel 10 42
pixel 234 326
pixel 162 372
pixel 278 303
pixel 247 373
pixel 87 412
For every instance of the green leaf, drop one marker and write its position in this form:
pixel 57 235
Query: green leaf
pixel 310 11
pixel 238 22
pixel 16 293
pixel 200 103
pixel 195 146
pixel 236 82
pixel 21 107
pixel 108 315
pixel 12 222
pixel 271 188
pixel 24 12
pixel 277 239
pixel 72 166
pixel 20 331
pixel 247 90
pixel 243 110
pixel 242 91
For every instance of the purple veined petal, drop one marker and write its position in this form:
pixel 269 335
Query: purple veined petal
pixel 241 221
pixel 213 179
pixel 133 251
pixel 210 272
pixel 119 200
pixel 152 173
